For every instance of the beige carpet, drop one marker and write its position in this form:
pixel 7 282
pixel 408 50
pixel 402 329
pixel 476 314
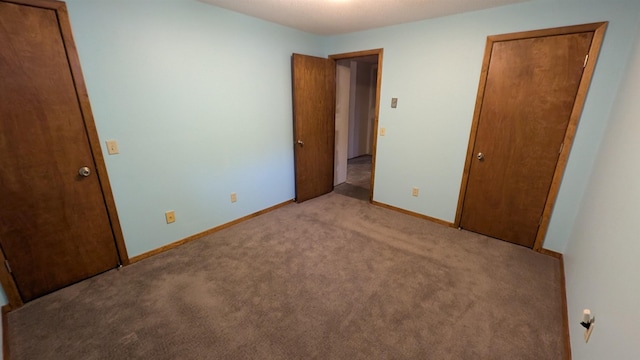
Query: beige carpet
pixel 332 278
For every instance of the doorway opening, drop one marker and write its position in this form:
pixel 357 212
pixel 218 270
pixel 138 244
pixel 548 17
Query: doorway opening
pixel 357 96
pixel 314 122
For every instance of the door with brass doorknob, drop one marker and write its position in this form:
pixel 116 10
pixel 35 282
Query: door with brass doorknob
pixel 59 224
pixel 313 125
pixel 529 90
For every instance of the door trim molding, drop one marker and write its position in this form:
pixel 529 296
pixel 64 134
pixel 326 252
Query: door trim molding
pixel 598 29
pixel 92 132
pixel 379 53
pixel 6 279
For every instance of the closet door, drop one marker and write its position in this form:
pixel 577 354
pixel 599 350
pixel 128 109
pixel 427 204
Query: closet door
pixel 527 103
pixel 55 226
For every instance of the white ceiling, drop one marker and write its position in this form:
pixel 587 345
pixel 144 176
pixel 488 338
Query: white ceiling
pixel 332 17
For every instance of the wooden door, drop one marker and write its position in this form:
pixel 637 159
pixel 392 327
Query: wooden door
pixel 313 125
pixel 54 226
pixel 529 98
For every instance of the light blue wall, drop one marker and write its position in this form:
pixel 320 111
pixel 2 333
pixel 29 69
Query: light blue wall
pixel 199 99
pixel 433 68
pixel 602 267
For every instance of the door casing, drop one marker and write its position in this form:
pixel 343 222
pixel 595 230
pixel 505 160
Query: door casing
pixel 335 58
pixel 599 30
pixel 379 53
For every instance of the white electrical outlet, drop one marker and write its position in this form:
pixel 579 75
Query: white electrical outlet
pixel 234 197
pixel 415 192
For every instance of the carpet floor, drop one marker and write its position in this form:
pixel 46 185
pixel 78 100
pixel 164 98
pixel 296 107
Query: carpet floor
pixel 331 278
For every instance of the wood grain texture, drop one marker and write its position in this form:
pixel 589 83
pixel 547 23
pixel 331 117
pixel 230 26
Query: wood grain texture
pixel 565 308
pixel 9 285
pixel 551 253
pixel 55 229
pixel 562 30
pixel 354 54
pixel 565 311
pixel 85 106
pixel 92 132
pixel 44 4
pixel 314 88
pixel 197 236
pixel 599 30
pixel 5 332
pixel 530 90
pixel 379 53
pixel 474 130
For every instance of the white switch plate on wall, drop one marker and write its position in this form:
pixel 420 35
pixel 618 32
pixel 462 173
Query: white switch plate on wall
pixel 112 147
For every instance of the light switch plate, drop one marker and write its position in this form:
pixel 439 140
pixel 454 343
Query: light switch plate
pixel 170 216
pixel 394 103
pixel 112 147
pixel 383 131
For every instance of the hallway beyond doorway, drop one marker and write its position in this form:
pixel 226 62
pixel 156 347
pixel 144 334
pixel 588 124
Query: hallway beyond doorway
pixel 358 181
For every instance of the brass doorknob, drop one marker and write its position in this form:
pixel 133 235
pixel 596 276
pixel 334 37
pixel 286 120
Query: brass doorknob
pixel 480 156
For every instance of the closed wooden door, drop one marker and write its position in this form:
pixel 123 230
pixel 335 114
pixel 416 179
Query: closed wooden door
pixel 54 225
pixel 529 95
pixel 313 125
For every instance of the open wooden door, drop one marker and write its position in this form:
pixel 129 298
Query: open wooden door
pixel 530 98
pixel 313 125
pixel 57 217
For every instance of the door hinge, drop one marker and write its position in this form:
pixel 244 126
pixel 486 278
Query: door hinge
pixel 586 58
pixel 6 264
pixel 561 147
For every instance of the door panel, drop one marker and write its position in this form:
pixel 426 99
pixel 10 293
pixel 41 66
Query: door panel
pixel 54 227
pixel 529 95
pixel 313 125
